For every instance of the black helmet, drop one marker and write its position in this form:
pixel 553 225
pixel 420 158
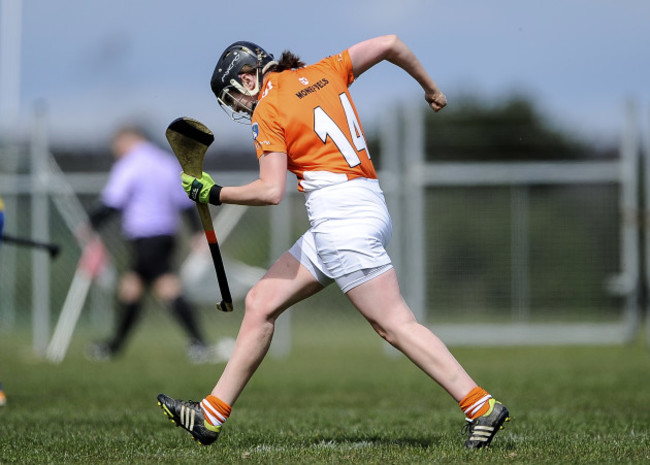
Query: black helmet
pixel 240 57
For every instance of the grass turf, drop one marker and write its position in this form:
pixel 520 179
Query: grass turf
pixel 338 398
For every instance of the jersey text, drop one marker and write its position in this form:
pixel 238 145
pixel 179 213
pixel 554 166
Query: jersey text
pixel 313 88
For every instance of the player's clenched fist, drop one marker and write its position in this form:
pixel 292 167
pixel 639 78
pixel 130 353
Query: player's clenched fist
pixel 436 100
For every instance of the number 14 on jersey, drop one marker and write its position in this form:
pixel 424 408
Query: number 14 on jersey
pixel 325 126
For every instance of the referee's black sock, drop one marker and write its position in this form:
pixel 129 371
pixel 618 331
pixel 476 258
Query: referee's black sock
pixel 127 319
pixel 187 317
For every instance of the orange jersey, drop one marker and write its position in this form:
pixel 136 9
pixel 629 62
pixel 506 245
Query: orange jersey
pixel 308 114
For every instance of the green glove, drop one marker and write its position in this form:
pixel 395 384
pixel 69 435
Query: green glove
pixel 198 189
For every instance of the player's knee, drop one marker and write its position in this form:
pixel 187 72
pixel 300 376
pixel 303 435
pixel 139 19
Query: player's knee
pixel 392 330
pixel 379 329
pixel 253 303
pixel 256 305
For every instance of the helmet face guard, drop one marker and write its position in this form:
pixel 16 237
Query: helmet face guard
pixel 239 58
pixel 237 107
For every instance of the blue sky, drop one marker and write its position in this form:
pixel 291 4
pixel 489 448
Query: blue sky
pixel 96 64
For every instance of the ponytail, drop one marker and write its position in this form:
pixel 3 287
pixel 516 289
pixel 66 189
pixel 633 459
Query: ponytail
pixel 287 61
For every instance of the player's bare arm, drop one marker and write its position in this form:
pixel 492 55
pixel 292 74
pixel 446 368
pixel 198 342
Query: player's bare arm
pixel 368 53
pixel 269 189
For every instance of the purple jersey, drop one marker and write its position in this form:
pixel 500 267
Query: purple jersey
pixel 145 186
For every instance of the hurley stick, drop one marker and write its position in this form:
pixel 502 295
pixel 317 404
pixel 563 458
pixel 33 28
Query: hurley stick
pixel 52 249
pixel 189 140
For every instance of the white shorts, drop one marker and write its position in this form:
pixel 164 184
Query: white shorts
pixel 350 229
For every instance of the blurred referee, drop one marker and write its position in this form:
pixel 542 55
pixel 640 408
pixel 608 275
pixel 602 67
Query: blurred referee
pixel 143 187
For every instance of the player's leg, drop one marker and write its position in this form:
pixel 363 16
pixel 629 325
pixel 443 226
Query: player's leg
pixel 284 284
pixel 380 301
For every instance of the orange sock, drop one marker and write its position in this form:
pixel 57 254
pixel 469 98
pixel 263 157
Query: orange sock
pixel 215 411
pixel 475 403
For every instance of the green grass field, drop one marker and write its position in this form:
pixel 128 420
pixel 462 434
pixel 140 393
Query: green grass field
pixel 338 398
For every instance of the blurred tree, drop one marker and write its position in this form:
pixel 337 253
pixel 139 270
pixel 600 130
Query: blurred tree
pixel 509 129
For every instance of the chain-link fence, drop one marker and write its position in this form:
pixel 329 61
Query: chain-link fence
pixel 549 244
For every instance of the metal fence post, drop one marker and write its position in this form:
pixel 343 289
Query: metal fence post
pixel 392 181
pixel 646 226
pixel 40 231
pixel 414 184
pixel 280 242
pixel 630 259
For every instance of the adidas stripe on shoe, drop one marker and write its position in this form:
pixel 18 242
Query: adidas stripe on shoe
pixel 482 430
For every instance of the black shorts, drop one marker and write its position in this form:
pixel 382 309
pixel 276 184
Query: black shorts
pixel 152 256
